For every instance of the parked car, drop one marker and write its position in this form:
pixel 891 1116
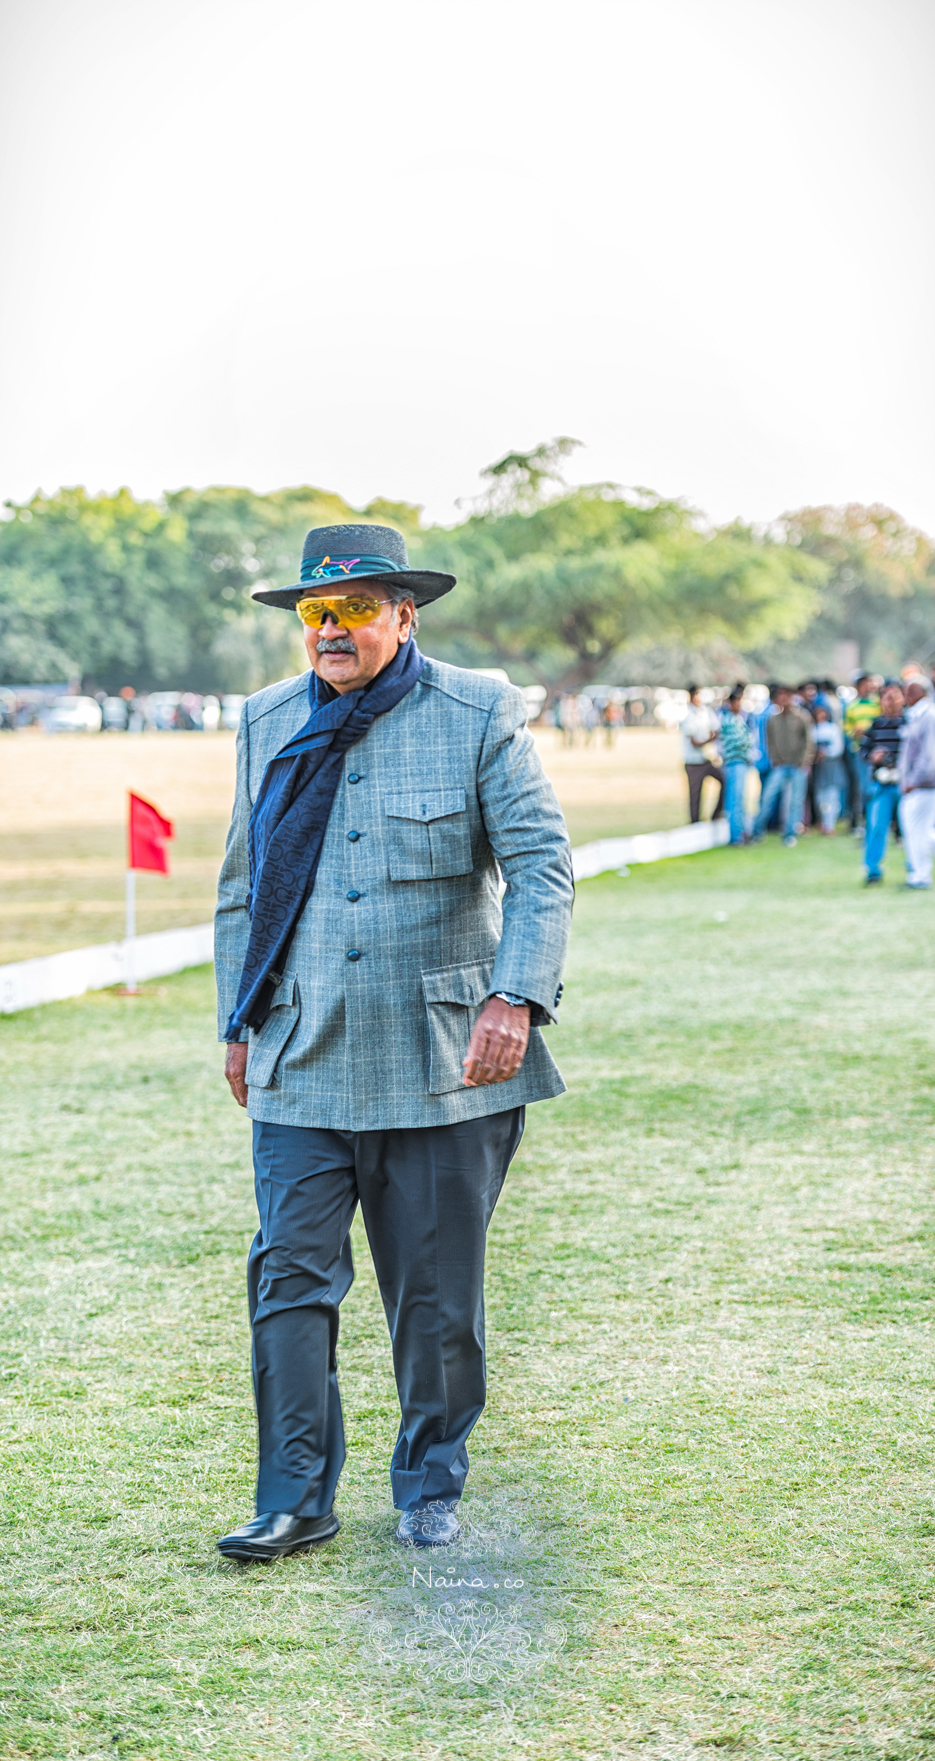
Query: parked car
pixel 161 709
pixel 74 715
pixel 189 715
pixel 535 696
pixel 230 712
pixel 115 711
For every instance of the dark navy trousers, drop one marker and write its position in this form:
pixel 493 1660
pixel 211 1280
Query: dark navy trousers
pixel 427 1196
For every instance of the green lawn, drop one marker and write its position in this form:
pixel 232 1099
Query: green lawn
pixel 700 1510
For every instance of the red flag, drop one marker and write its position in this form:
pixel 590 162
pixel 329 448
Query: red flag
pixel 149 833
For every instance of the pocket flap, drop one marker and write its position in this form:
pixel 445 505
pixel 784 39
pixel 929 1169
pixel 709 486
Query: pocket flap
pixel 284 992
pixel 458 984
pixel 425 804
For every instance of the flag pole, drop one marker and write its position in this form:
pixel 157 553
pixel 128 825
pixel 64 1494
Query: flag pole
pixel 130 943
pixel 147 832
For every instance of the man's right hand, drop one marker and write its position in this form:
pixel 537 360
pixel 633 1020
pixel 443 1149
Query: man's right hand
pixel 235 1069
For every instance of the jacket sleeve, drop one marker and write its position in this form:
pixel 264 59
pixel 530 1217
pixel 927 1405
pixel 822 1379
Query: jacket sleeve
pixel 808 756
pixel 231 919
pixel 527 834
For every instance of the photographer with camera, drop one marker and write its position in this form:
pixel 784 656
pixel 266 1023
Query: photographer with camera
pixel 879 750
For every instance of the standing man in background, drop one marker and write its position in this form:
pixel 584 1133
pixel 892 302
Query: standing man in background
pixel 700 729
pixel 791 748
pixel 830 777
pixel 828 695
pixel 858 715
pixel 759 755
pixel 879 757
pixel 917 785
pixel 735 742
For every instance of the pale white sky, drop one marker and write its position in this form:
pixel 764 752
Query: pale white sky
pixel 371 246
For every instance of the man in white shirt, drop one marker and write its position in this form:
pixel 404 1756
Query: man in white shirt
pixel 699 730
pixel 917 785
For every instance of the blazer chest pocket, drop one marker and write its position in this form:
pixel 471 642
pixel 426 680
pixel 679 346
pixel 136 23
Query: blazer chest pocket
pixel 267 1046
pixel 454 997
pixel 427 834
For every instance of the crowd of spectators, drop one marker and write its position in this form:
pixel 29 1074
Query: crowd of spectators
pixel 822 753
pixel 580 716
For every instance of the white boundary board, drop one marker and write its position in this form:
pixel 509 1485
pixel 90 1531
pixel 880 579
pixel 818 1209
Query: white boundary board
pixel 53 977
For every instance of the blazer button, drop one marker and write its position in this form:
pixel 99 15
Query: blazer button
pixel 353 836
pixel 353 954
pixel 354 778
pixel 353 897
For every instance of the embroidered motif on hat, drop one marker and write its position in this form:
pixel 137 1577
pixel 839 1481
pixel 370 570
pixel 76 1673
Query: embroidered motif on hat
pixel 326 568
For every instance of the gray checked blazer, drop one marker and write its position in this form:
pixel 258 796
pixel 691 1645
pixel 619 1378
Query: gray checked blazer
pixel 403 938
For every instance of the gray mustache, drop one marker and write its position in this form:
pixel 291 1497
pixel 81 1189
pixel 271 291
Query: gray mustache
pixel 336 645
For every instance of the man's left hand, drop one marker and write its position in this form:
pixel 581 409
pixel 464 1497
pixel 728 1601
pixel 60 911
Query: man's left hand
pixel 498 1043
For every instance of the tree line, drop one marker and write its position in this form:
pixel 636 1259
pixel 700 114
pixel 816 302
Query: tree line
pixel 562 586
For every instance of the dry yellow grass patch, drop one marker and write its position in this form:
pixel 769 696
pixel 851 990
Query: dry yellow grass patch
pixel 636 785
pixel 63 817
pixel 63 806
pixel 52 780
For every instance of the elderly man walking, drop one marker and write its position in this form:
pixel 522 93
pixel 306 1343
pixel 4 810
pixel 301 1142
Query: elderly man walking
pixel 382 1016
pixel 917 785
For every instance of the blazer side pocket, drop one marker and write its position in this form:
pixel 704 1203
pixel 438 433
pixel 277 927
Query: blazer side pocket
pixel 266 1047
pixel 428 836
pixel 454 997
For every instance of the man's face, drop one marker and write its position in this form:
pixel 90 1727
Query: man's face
pixel 783 699
pixel 349 659
pixel 865 687
pixel 914 694
pixel 891 701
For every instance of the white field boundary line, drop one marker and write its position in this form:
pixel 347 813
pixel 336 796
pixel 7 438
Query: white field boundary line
pixel 25 984
pixel 53 977
pixel 682 840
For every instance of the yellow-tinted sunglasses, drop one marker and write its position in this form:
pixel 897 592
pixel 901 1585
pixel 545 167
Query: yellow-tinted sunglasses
pixel 349 609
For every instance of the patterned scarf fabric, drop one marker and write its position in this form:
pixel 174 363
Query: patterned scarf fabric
pixel 290 817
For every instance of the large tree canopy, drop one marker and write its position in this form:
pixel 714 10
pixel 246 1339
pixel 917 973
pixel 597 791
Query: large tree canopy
pixel 563 582
pixel 122 603
pixel 121 591
pixel 557 584
pixel 879 588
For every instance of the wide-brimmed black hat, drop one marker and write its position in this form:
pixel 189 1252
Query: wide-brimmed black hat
pixel 332 555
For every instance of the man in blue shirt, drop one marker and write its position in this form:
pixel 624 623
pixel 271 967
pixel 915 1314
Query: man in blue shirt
pixel 879 752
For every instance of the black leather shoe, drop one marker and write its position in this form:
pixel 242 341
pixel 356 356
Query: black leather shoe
pixel 432 1526
pixel 277 1533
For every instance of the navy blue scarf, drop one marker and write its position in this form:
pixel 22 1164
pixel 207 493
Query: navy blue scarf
pixel 290 818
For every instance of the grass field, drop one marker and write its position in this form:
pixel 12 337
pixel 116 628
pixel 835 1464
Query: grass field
pixel 63 817
pixel 700 1508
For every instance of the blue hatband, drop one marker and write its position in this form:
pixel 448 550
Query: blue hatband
pixel 341 568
